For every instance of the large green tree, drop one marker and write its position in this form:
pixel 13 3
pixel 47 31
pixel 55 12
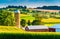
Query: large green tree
pixel 23 22
pixel 38 17
pixel 6 18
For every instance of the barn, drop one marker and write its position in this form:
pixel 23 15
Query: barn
pixel 56 27
pixel 37 28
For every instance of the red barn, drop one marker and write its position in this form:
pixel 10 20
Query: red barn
pixel 51 29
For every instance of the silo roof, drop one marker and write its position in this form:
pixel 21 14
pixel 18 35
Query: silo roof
pixel 17 11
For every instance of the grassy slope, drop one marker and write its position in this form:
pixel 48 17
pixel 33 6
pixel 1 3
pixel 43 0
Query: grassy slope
pixel 11 32
pixel 14 29
pixel 10 29
pixel 29 17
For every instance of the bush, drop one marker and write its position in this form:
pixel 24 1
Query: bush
pixel 29 23
pixel 23 22
pixel 36 22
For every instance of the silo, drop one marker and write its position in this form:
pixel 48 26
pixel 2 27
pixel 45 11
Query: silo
pixel 17 18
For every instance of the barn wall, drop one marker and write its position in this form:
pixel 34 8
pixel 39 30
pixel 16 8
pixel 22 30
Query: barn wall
pixel 40 30
pixel 52 30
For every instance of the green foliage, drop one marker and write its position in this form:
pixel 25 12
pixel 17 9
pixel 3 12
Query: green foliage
pixel 38 19
pixel 6 18
pixel 23 22
pixel 29 23
pixel 36 22
pixel 28 36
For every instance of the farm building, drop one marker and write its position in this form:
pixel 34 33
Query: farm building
pixel 51 29
pixel 39 28
pixel 56 27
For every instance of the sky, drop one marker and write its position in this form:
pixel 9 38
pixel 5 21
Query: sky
pixel 30 3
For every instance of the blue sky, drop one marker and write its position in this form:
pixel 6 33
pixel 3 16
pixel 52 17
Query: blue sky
pixel 29 3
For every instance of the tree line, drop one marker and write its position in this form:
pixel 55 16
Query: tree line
pixel 34 22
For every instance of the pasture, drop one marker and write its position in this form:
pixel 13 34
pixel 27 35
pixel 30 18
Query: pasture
pixel 11 32
pixel 48 22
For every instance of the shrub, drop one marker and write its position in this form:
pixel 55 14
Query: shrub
pixel 23 22
pixel 36 22
pixel 29 23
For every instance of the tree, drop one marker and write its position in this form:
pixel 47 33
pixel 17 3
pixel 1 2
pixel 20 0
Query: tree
pixel 29 23
pixel 38 17
pixel 36 22
pixel 23 22
pixel 6 18
pixel 25 7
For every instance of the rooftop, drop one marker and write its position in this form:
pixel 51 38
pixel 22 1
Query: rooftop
pixel 38 27
pixel 17 11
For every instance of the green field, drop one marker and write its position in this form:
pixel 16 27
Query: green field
pixel 27 17
pixel 11 32
pixel 48 22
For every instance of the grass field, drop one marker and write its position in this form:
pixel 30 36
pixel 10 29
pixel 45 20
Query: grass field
pixel 11 32
pixel 48 22
pixel 27 17
pixel 9 29
pixel 14 29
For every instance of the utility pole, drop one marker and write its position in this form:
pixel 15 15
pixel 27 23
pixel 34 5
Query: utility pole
pixel 17 18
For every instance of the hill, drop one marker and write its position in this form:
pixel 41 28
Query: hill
pixel 49 7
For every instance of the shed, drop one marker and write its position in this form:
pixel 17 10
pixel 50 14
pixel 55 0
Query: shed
pixel 51 29
pixel 37 28
pixel 56 27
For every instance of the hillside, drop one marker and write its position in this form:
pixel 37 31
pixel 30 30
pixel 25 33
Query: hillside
pixel 50 7
pixel 10 29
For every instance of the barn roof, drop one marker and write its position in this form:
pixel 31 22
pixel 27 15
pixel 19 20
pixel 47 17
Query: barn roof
pixel 38 27
pixel 56 26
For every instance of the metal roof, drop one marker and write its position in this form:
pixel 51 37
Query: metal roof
pixel 56 26
pixel 38 27
pixel 17 11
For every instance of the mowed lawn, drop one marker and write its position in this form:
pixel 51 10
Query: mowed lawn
pixel 14 29
pixel 12 32
pixel 10 29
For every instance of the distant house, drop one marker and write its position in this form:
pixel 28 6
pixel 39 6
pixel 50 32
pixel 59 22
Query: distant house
pixel 56 27
pixel 37 28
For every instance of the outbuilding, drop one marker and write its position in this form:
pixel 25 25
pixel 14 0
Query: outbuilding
pixel 56 27
pixel 37 28
pixel 51 29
